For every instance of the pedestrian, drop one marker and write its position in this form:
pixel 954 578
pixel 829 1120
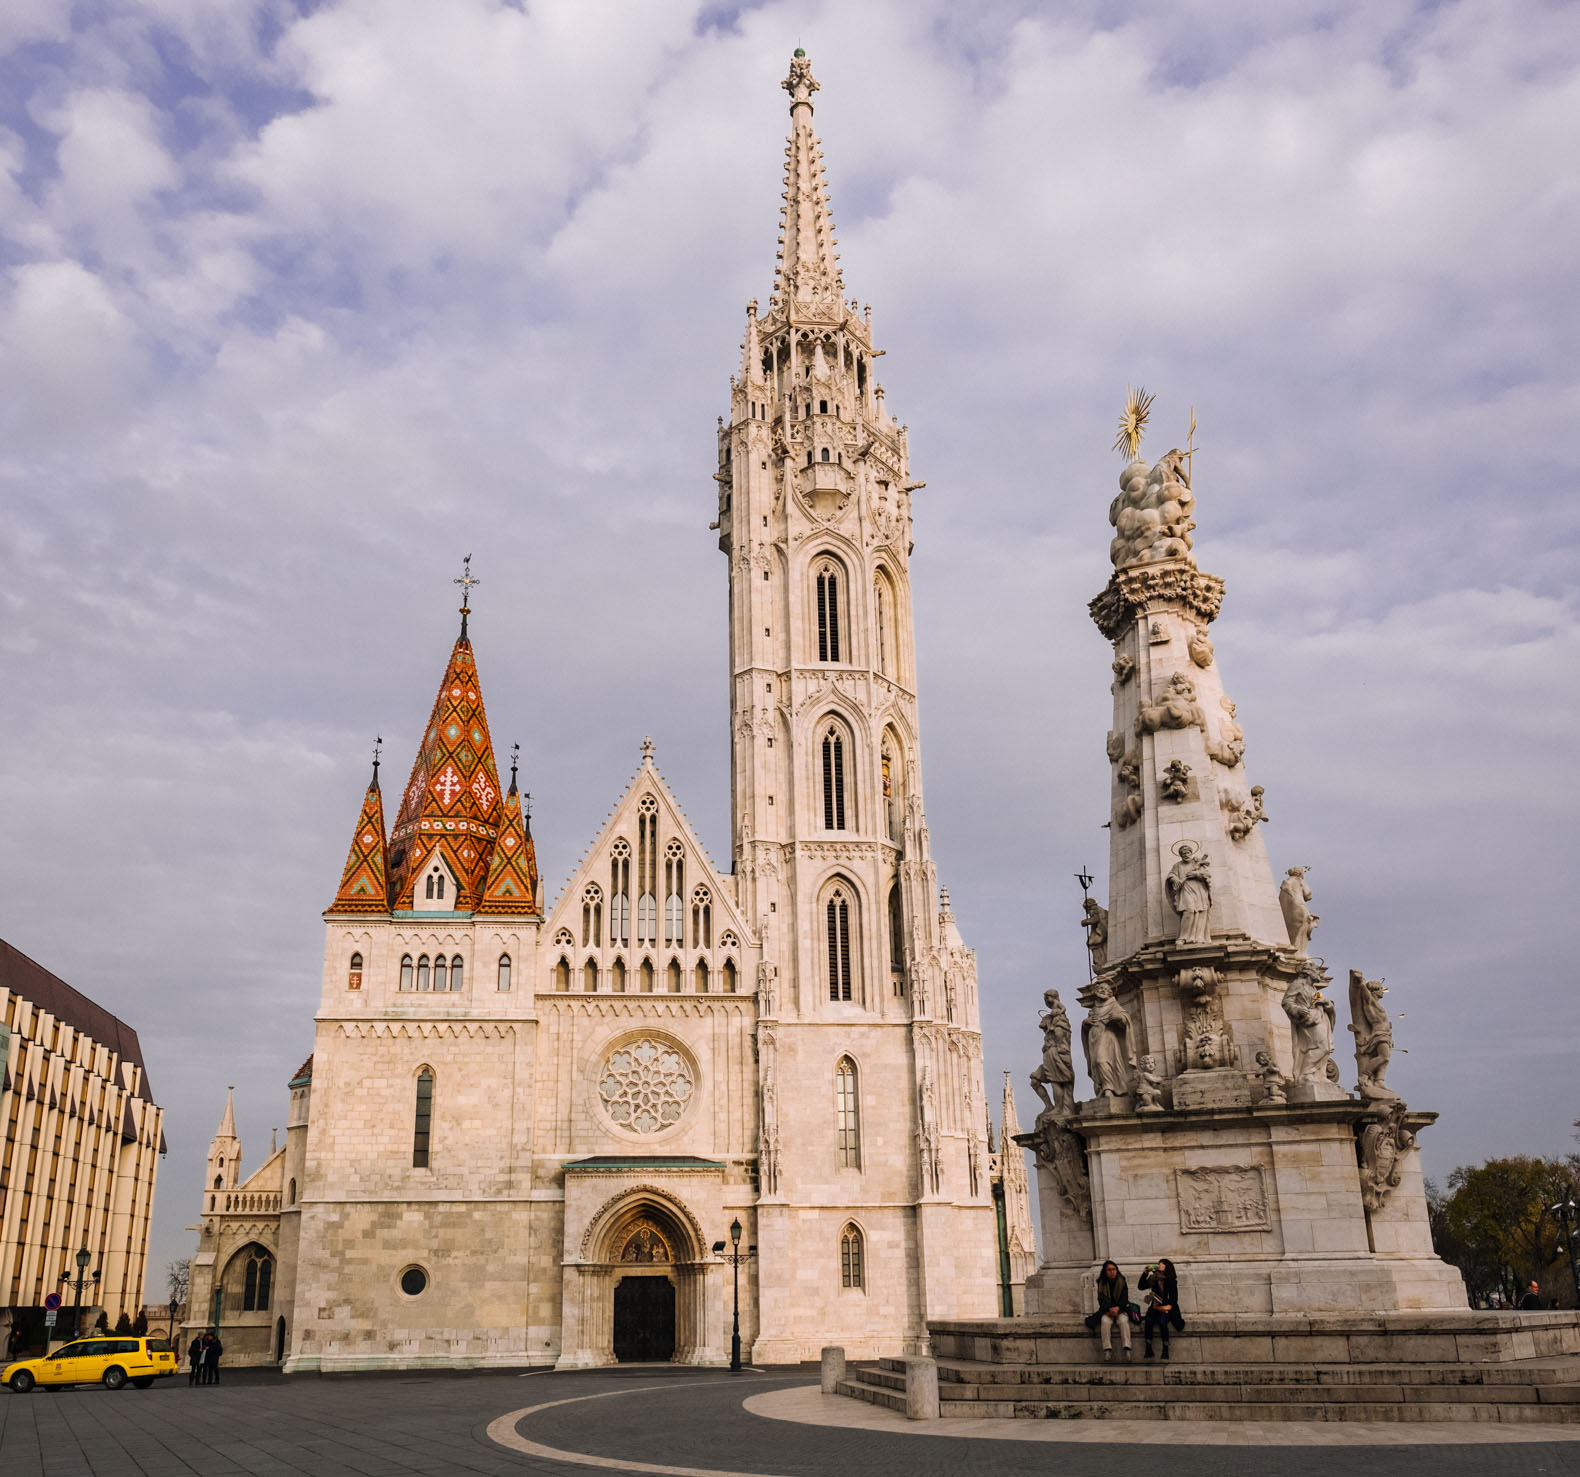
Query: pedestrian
pixel 1161 1285
pixel 1532 1299
pixel 195 1359
pixel 212 1349
pixel 1113 1309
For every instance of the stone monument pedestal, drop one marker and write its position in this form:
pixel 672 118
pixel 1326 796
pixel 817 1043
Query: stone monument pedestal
pixel 1259 1206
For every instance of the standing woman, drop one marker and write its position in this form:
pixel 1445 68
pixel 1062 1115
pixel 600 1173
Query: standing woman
pixel 1162 1288
pixel 1113 1308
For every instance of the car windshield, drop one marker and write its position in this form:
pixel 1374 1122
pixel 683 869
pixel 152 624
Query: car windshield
pixel 71 1351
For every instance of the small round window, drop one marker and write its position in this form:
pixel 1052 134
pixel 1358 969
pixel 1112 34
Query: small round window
pixel 413 1281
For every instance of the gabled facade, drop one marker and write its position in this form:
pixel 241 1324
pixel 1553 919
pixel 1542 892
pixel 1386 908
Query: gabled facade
pixel 530 1130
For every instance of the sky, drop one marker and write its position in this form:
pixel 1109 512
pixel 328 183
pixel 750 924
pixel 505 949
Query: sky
pixel 300 302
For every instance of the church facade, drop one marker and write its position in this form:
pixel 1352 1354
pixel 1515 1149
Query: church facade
pixel 526 1133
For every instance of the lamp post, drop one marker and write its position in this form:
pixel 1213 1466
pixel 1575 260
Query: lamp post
pixel 80 1283
pixel 172 1323
pixel 1567 1211
pixel 735 1256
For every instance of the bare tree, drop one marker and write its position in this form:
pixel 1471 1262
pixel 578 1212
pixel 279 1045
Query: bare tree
pixel 176 1277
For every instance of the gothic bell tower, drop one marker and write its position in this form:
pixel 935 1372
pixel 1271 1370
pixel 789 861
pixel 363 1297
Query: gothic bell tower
pixel 831 847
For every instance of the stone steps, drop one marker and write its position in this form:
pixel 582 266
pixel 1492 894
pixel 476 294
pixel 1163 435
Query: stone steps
pixel 1545 1393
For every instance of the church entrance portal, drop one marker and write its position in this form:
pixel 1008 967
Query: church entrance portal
pixel 644 1319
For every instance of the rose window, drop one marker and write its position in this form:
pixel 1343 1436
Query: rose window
pixel 645 1086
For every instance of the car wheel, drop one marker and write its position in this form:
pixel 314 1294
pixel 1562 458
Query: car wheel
pixel 22 1382
pixel 143 1382
pixel 114 1377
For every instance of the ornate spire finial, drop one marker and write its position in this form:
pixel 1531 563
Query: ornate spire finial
pixel 378 744
pixel 466 582
pixel 515 758
pixel 808 264
pixel 647 749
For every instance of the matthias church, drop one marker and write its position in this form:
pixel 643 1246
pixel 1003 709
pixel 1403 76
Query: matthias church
pixel 524 1131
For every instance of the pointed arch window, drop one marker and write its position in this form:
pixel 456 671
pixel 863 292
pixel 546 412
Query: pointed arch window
pixel 405 972
pixel 562 976
pixel 674 889
pixel 620 893
pixel 590 976
pixel 701 976
pixel 883 613
pixel 701 918
pixel 256 1281
pixel 834 778
pixel 852 1272
pixel 731 983
pixel 592 916
pixel 617 976
pixel 422 972
pixel 354 975
pixel 504 972
pixel 847 1111
pixel 828 609
pixel 441 973
pixel 457 974
pixel 897 939
pixel 422 1125
pixel 838 941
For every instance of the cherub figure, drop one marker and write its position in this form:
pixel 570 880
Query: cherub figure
pixel 1149 1087
pixel 1272 1079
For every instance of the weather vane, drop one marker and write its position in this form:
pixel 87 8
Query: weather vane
pixel 466 581
pixel 1133 423
pixel 378 744
pixel 515 755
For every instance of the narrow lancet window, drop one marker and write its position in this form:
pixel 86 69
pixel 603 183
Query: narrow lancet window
pixel 423 1125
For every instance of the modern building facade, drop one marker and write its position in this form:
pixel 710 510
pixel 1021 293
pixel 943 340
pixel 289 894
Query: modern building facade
pixel 83 1137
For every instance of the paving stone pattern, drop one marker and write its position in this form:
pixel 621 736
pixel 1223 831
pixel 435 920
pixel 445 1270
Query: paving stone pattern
pixel 264 1425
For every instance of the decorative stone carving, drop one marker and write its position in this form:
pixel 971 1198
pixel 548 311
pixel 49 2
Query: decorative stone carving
pixel 1271 1078
pixel 1124 669
pixel 1175 707
pixel 768 1136
pixel 1311 1017
pixel 1384 1141
pixel 1229 747
pixel 1157 634
pixel 767 988
pixel 1057 1145
pixel 1149 1087
pixel 1294 894
pixel 1128 811
pixel 1199 645
pixel 1373 1039
pixel 1107 1041
pixel 1057 1072
pixel 1188 887
pixel 1206 1040
pixel 1151 515
pixel 1094 919
pixel 645 1085
pixel 932 1167
pixel 1230 1198
pixel 1244 811
pixel 1115 747
pixel 1131 593
pixel 1175 783
pixel 1129 772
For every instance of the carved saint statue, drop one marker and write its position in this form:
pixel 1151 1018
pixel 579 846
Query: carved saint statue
pixel 1373 1038
pixel 1094 920
pixel 1057 1072
pixel 1149 1087
pixel 1124 669
pixel 1311 1024
pixel 1188 887
pixel 1294 893
pixel 1106 1040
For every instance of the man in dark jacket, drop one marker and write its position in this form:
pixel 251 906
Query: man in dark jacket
pixel 195 1359
pixel 212 1349
pixel 1532 1298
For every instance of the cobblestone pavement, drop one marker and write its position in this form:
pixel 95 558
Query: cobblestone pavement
pixel 655 1420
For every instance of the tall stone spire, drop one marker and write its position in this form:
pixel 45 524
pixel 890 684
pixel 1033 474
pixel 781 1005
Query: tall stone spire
pixel 451 811
pixel 1020 1241
pixel 224 1155
pixel 227 1123
pixel 808 263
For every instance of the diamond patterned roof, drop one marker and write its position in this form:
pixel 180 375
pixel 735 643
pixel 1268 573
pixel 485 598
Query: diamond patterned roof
pixel 364 885
pixel 513 873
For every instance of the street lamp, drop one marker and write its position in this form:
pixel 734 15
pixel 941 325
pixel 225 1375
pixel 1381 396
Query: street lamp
pixel 1567 1212
pixel 735 1256
pixel 172 1323
pixel 80 1282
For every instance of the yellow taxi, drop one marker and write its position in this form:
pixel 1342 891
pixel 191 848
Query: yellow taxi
pixel 110 1362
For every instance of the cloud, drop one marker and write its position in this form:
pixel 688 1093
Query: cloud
pixel 300 303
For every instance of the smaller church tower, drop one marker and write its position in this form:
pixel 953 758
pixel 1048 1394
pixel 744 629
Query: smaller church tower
pixel 224 1154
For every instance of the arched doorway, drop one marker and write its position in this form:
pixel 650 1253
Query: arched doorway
pixel 279 1342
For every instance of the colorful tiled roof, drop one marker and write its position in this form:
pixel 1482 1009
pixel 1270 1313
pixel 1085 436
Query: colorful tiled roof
pixel 452 806
pixel 364 885
pixel 513 873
